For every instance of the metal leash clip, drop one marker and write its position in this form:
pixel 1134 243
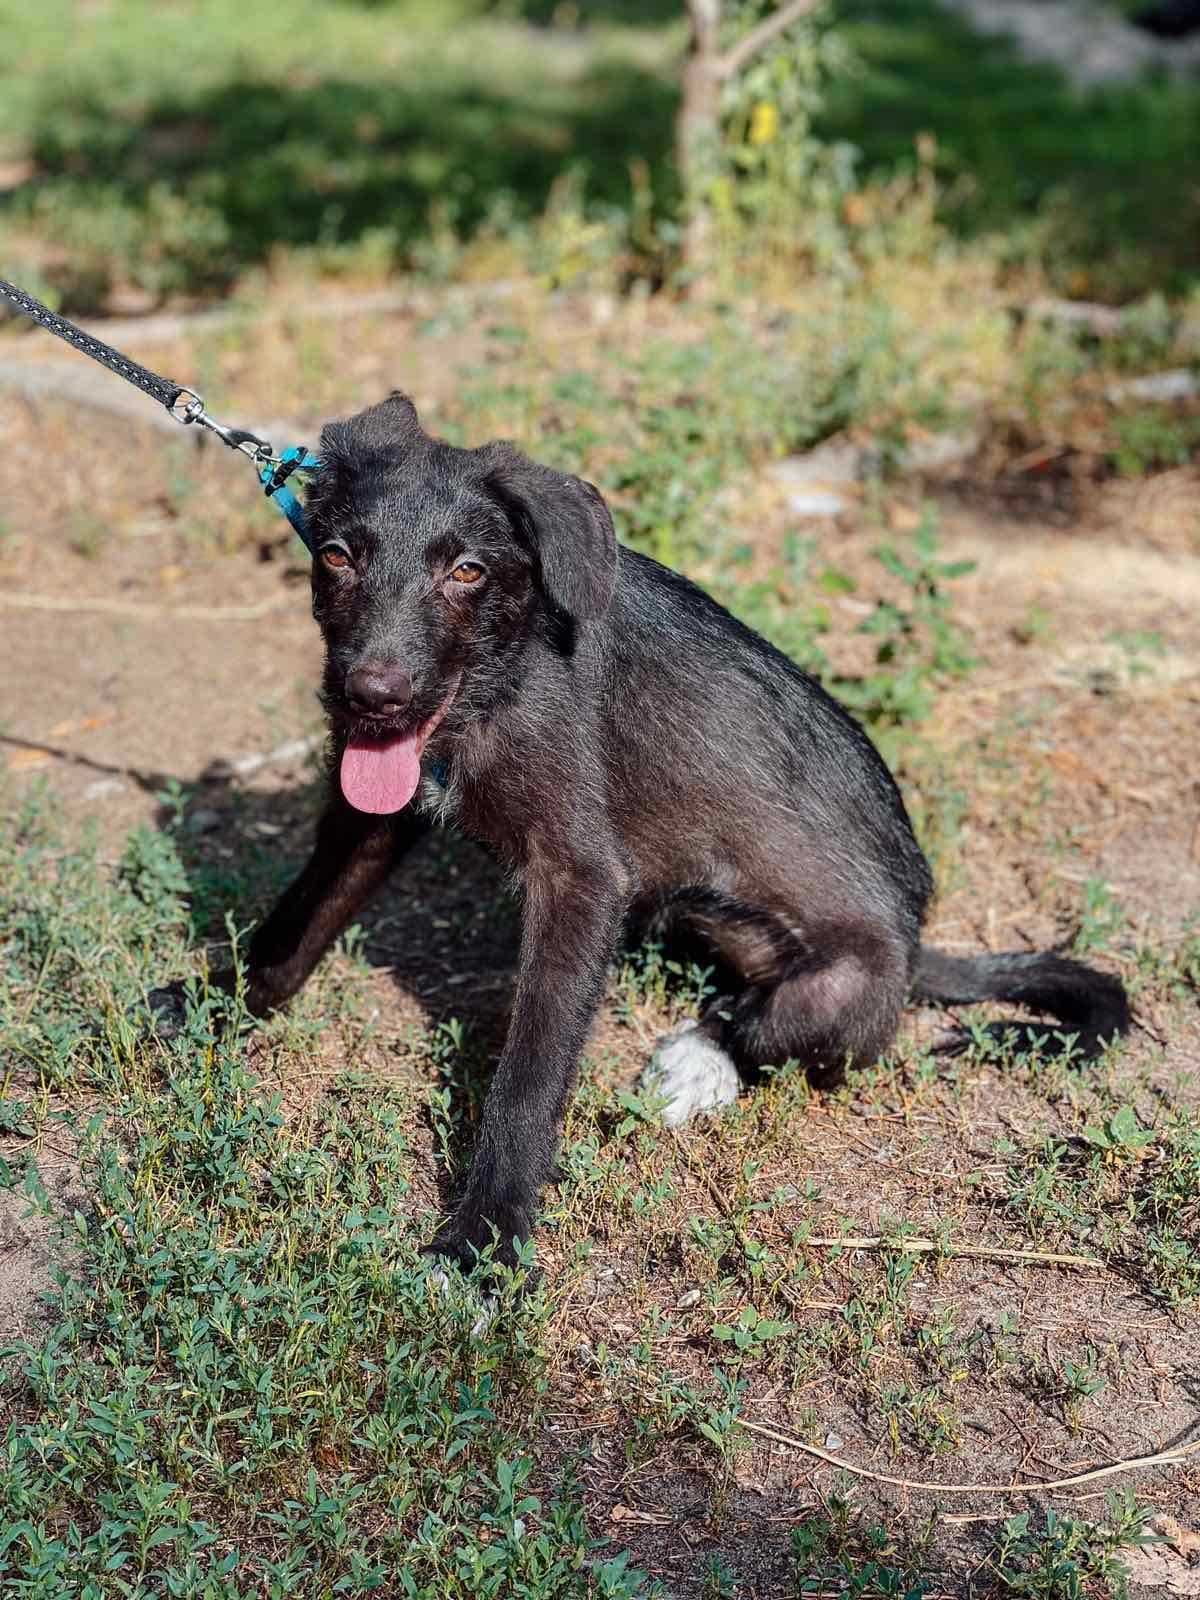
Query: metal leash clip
pixel 184 405
pixel 273 470
pixel 189 407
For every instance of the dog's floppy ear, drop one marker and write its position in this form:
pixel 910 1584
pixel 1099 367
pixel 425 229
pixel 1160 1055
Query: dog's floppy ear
pixel 566 525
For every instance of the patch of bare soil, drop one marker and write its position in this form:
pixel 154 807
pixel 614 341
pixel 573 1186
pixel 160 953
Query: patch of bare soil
pixel 30 1240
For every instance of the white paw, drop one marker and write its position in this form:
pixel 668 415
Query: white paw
pixel 691 1074
pixel 443 1284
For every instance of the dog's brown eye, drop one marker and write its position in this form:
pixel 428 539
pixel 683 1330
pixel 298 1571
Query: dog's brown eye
pixel 334 558
pixel 467 572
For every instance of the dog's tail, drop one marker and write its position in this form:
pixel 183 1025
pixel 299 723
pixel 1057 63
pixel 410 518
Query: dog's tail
pixel 1092 1007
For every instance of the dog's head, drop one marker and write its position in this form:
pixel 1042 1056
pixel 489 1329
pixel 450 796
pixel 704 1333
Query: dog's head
pixel 433 568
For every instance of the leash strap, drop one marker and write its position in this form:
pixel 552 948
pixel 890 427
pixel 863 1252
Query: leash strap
pixel 158 388
pixel 183 404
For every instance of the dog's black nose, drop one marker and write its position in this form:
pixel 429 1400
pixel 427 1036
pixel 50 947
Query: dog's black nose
pixel 381 687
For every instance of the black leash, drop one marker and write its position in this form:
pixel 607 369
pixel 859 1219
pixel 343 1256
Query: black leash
pixel 181 403
pixel 160 389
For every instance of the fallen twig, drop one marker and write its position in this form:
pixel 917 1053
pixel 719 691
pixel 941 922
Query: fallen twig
pixel 1161 1458
pixel 915 1246
pixel 934 1247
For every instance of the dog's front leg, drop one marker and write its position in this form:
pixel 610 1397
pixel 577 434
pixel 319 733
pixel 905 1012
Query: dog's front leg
pixel 571 922
pixel 353 854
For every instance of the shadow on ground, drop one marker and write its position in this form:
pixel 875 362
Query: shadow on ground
pixel 444 929
pixel 215 184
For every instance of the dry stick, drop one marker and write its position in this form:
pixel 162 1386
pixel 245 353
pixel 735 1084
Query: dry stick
pixel 1161 1458
pixel 136 608
pixel 932 1247
pixel 877 1242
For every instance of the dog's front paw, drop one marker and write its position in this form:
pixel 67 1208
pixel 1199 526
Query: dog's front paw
pixel 449 1284
pixel 471 1237
pixel 167 1007
pixel 459 1250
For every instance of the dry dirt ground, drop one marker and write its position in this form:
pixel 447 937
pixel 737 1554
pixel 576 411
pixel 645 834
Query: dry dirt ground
pixel 148 638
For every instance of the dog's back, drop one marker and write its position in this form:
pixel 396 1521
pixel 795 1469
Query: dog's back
pixel 727 764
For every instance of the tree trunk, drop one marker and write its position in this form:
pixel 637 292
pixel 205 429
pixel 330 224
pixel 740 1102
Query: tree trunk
pixel 698 126
pixel 697 130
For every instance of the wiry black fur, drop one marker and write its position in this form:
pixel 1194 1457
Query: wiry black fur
pixel 1093 1005
pixel 627 747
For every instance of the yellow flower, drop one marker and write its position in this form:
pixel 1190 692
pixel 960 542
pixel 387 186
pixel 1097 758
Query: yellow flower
pixel 764 122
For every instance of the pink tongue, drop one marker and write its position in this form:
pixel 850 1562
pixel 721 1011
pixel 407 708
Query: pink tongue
pixel 381 775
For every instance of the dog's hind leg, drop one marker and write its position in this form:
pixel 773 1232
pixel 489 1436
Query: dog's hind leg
pixel 838 1006
pixel 691 1071
pixel 824 997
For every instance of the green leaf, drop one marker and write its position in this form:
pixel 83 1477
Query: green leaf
pixel 1124 1128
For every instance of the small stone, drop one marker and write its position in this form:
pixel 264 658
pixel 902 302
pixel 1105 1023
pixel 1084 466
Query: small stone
pixel 102 788
pixel 1179 384
pixel 687 1300
pixel 816 503
pixel 834 1441
pixel 938 451
pixel 203 820
pixel 835 461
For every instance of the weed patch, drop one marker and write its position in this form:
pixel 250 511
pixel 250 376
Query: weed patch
pixel 250 1385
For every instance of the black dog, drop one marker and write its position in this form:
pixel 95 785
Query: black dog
pixel 494 659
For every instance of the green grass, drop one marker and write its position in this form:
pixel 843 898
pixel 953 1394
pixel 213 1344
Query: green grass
pixel 250 1385
pixel 1122 1188
pixel 176 149
pixel 1097 184
pixel 1065 1558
